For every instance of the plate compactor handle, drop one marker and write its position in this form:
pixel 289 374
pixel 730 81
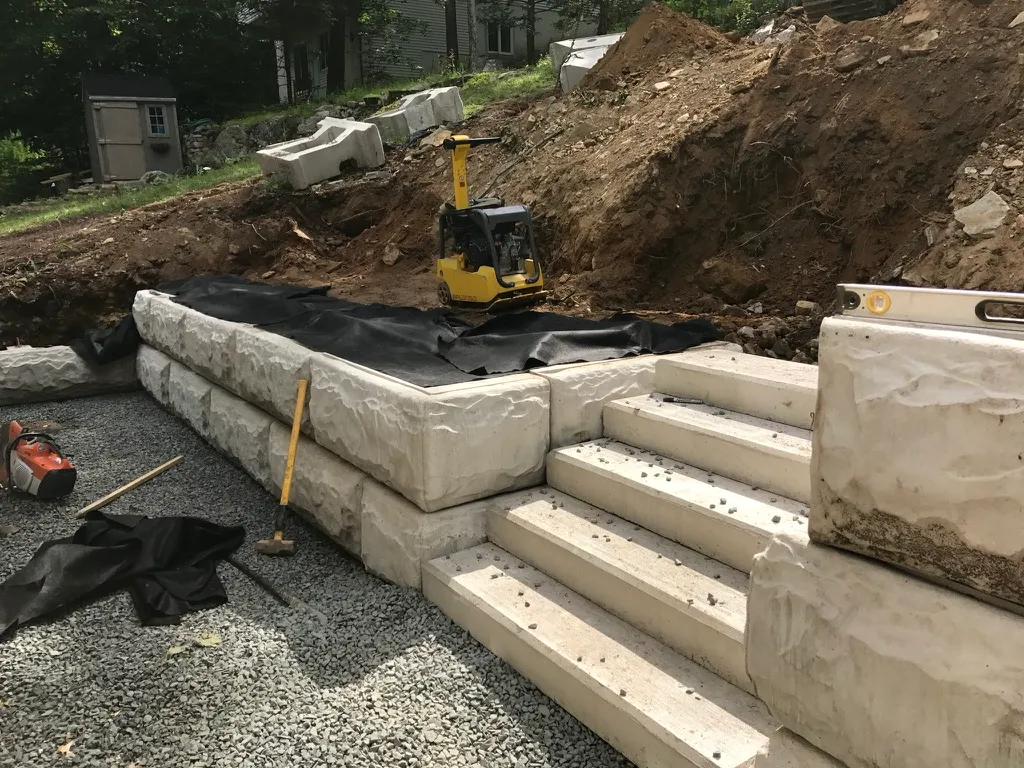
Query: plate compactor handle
pixel 465 141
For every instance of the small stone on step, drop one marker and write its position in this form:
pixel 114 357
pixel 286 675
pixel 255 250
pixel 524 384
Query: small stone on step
pixel 776 519
pixel 532 626
pixel 678 561
pixel 622 691
pixel 526 604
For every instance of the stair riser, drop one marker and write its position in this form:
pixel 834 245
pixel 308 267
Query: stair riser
pixel 783 473
pixel 715 647
pixel 777 401
pixel 694 528
pixel 607 715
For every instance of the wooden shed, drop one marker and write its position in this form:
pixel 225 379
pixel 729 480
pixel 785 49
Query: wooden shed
pixel 132 126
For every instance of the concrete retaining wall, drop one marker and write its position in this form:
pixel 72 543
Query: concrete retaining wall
pixel 34 374
pixel 879 668
pixel 919 450
pixel 310 160
pixel 389 534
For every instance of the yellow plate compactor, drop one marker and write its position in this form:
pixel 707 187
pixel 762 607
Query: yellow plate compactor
pixel 488 259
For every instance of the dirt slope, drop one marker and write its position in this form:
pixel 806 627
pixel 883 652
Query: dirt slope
pixel 690 174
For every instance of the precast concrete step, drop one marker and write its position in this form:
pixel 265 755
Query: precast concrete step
pixel 724 519
pixel 776 457
pixel 654 706
pixel 778 390
pixel 691 603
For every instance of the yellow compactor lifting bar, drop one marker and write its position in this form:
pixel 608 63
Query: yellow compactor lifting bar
pixel 488 258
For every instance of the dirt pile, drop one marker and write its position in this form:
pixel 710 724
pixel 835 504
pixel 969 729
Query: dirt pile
pixel 717 178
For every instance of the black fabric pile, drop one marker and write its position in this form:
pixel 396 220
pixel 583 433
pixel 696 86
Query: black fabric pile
pixel 168 565
pixel 430 347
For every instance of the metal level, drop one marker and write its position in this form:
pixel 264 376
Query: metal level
pixel 990 310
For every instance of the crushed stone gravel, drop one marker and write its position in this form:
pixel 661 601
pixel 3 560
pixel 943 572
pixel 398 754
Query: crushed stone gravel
pixel 368 675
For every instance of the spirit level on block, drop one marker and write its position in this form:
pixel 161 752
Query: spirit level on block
pixel 990 310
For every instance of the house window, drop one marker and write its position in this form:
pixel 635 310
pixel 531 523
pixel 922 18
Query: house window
pixel 499 38
pixel 157 122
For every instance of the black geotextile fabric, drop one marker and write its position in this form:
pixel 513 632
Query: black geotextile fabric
pixel 430 347
pixel 168 565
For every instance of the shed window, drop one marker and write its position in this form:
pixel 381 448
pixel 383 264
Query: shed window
pixel 157 122
pixel 499 38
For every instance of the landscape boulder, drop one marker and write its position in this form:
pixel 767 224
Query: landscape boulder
pixel 232 142
pixel 984 216
pixel 275 130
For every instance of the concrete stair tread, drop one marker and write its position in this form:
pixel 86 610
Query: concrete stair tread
pixel 677 575
pixel 735 503
pixel 772 436
pixel 749 367
pixel 649 702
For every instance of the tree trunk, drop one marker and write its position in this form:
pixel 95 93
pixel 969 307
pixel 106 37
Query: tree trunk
pixel 337 40
pixel 451 23
pixel 287 58
pixel 531 31
pixel 603 17
pixel 471 7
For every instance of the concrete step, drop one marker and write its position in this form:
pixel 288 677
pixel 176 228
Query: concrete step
pixel 654 706
pixel 776 457
pixel 695 605
pixel 724 519
pixel 778 390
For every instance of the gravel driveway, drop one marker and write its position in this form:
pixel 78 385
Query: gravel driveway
pixel 369 675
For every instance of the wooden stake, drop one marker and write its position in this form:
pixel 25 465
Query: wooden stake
pixel 116 494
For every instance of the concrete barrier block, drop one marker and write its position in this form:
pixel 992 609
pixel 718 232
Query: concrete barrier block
pixel 265 370
pixel 576 66
pixel 886 484
pixel 787 750
pixel 560 49
pixel 188 395
pixel 160 321
pixel 418 112
pixel 398 537
pixel 207 345
pixel 310 160
pixel 325 488
pixel 877 668
pixel 242 432
pixel 33 374
pixel 153 369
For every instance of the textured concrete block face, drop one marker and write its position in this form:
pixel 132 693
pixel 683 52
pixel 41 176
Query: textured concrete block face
pixel 787 750
pixel 419 111
pixel 153 369
pixel 159 320
pixel 207 345
pixel 917 451
pixel 372 421
pixel 397 537
pixel 31 374
pixel 481 439
pixel 242 432
pixel 560 49
pixel 327 489
pixel 310 160
pixel 265 370
pixel 579 392
pixel 188 395
pixel 878 668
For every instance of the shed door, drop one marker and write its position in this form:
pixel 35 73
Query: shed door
pixel 119 136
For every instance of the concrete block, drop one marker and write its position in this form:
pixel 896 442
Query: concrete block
pixel 242 432
pixel 325 488
pixel 562 48
pixel 787 750
pixel 918 451
pixel 310 160
pixel 576 66
pixel 878 668
pixel 438 447
pixel 188 395
pixel 265 370
pixel 418 112
pixel 160 321
pixel 207 344
pixel 153 369
pixel 32 374
pixel 398 537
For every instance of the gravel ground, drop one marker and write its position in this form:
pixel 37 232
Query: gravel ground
pixel 369 675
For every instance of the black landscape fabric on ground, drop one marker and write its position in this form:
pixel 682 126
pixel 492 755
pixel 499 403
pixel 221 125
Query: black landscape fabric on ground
pixel 430 347
pixel 168 565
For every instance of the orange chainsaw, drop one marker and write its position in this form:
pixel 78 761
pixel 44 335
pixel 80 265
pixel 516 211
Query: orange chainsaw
pixel 34 464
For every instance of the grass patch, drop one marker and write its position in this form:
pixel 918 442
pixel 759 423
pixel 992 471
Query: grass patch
pixel 487 87
pixel 59 209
